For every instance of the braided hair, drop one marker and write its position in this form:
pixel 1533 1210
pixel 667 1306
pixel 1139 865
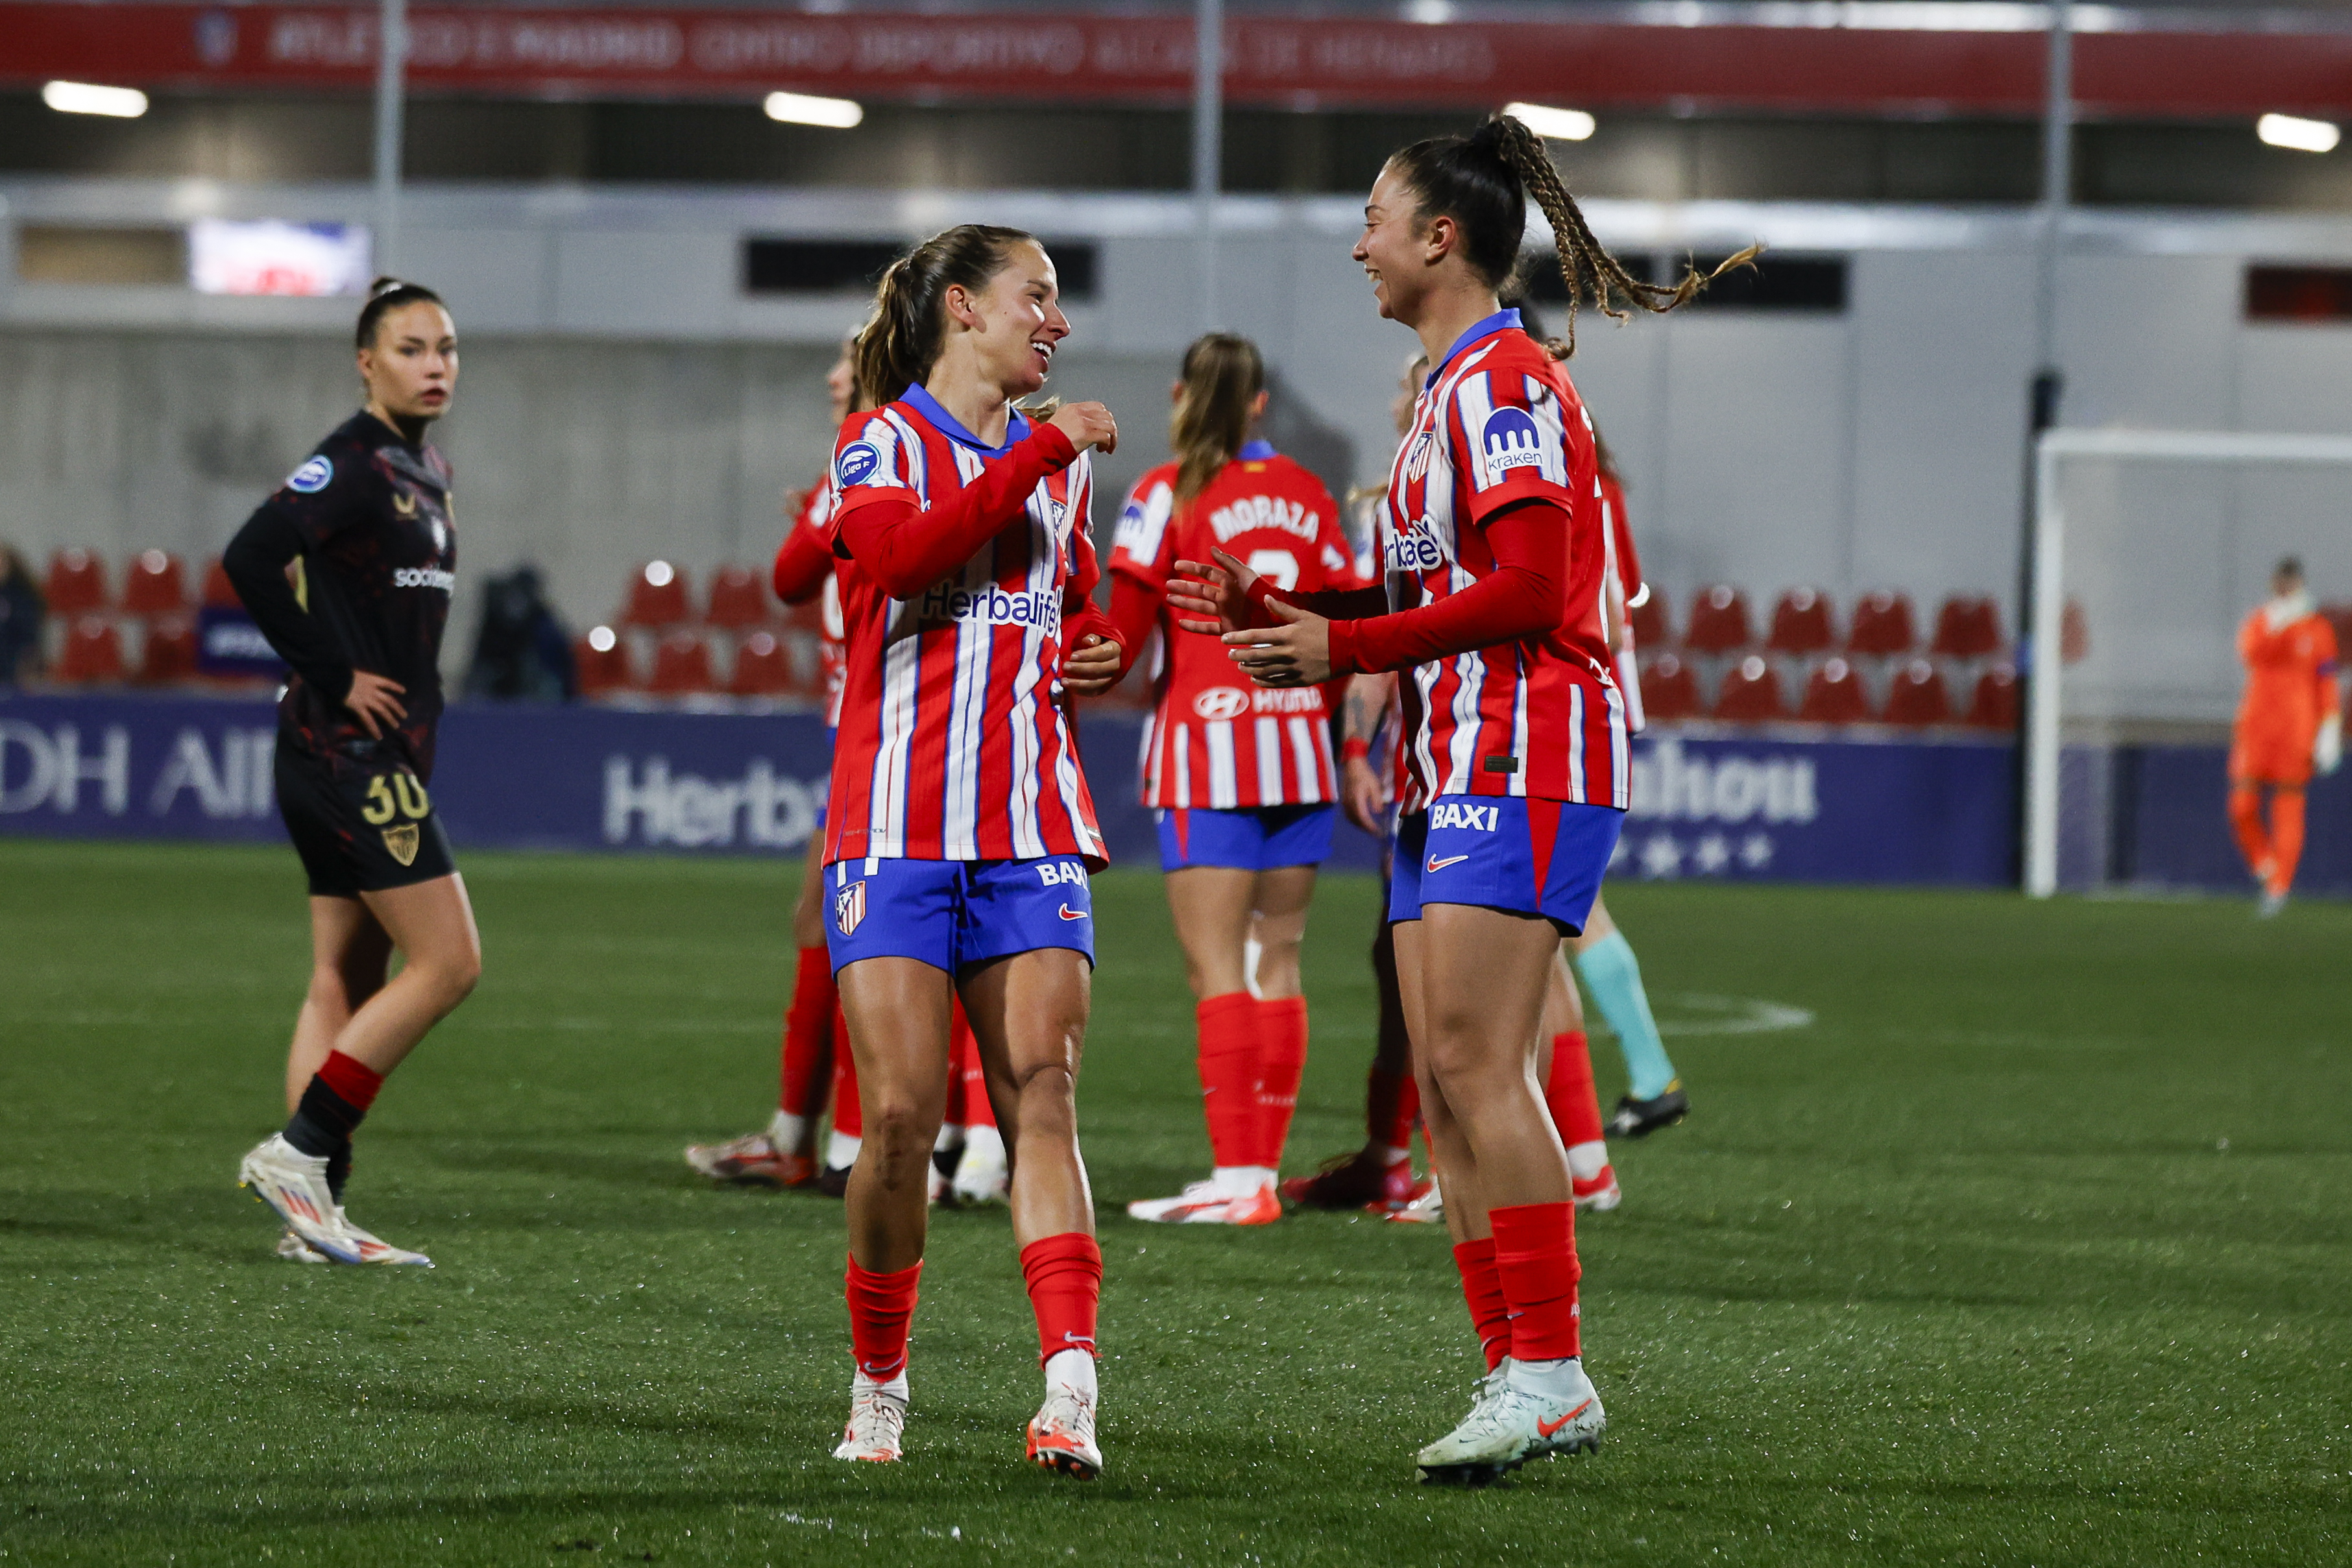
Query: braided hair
pixel 1482 181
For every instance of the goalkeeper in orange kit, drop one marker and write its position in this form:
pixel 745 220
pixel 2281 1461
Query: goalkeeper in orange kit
pixel 2290 724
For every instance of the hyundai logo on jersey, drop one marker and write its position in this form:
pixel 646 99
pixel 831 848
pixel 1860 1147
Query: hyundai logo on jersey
pixel 1512 440
pixel 992 605
pixel 1221 702
pixel 312 477
pixel 857 462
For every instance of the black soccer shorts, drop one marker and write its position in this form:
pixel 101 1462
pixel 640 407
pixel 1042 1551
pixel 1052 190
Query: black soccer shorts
pixel 359 827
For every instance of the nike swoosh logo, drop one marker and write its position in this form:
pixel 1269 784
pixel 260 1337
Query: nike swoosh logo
pixel 1069 914
pixel 1545 1428
pixel 1436 864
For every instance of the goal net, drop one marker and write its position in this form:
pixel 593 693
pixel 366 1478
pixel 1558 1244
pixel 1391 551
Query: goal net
pixel 2153 547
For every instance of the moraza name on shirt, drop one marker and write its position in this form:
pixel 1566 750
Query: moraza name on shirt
pixel 991 605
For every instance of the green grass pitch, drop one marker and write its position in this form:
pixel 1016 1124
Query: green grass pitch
pixel 2034 1247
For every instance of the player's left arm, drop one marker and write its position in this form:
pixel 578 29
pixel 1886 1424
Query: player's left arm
pixel 1093 656
pixel 2327 746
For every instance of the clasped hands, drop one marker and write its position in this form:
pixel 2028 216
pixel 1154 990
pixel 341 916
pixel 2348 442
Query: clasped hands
pixel 1212 599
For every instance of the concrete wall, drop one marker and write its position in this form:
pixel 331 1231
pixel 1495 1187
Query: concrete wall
pixel 623 398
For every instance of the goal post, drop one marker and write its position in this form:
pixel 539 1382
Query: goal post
pixel 2055 450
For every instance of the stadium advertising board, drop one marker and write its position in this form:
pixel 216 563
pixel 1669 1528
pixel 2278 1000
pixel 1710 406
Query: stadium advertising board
pixel 1770 806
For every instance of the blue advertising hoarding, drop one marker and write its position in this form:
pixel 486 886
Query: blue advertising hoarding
pixel 1782 806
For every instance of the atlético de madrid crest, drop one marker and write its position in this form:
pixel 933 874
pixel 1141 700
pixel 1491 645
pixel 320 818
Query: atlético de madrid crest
pixel 850 907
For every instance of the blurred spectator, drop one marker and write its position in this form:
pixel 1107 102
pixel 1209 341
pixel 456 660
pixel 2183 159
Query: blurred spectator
pixel 21 612
pixel 522 651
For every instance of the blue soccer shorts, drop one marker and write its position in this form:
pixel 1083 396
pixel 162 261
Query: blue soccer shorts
pixel 1524 857
pixel 1252 838
pixel 956 914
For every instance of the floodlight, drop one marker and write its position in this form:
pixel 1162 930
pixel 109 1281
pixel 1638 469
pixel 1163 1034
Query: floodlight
pixel 601 638
pixel 801 109
pixel 87 98
pixel 2302 135
pixel 1556 124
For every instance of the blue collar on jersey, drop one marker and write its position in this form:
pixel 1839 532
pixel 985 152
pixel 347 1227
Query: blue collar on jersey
pixel 1507 317
pixel 1016 429
pixel 1255 451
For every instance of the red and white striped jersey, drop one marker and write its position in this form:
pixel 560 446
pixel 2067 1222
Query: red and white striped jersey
pixel 1499 424
pixel 816 519
pixel 1214 739
pixel 954 743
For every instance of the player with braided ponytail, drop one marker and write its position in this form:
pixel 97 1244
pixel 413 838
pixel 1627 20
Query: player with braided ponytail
pixel 1493 547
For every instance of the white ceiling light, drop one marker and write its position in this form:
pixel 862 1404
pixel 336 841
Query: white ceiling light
pixel 1557 124
pixel 85 98
pixel 2302 135
pixel 800 109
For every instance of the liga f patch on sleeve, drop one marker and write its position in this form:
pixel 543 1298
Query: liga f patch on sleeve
pixel 856 462
pixel 312 477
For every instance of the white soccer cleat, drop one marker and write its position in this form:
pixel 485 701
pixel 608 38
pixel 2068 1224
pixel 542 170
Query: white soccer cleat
pixel 878 1420
pixel 1524 1412
pixel 1601 1194
pixel 375 1250
pixel 1427 1207
pixel 294 1249
pixel 1062 1435
pixel 295 1184
pixel 1210 1203
pixel 981 1175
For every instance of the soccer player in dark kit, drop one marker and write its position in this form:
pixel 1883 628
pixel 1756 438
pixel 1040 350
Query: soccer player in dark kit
pixel 347 569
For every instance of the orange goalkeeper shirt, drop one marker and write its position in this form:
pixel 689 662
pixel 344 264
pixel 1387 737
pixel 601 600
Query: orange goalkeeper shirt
pixel 2290 687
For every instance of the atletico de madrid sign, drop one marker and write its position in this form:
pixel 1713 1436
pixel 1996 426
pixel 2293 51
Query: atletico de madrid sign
pixel 1751 61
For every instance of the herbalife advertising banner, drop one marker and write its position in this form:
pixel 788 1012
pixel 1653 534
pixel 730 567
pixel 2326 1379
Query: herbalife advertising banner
pixel 1768 807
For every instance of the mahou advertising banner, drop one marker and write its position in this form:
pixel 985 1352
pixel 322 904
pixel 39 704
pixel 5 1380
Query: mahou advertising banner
pixel 1960 59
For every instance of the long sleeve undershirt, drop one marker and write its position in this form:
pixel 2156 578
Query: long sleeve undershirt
pixel 802 563
pixel 1525 596
pixel 906 548
pixel 1135 607
pixel 256 562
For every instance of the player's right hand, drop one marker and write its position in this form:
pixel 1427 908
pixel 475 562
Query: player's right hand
pixel 1087 425
pixel 375 702
pixel 1210 597
pixel 1364 795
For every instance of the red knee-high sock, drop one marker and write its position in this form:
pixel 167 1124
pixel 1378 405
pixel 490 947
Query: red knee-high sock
pixel 881 1312
pixel 1065 1276
pixel 1392 1105
pixel 2287 837
pixel 848 1119
pixel 1281 1062
pixel 1575 1106
pixel 2246 821
pixel 1228 1026
pixel 808 1036
pixel 1481 1288
pixel 977 1110
pixel 1535 1254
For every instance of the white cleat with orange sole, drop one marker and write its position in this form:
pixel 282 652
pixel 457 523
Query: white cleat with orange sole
pixel 1211 1203
pixel 295 1184
pixel 878 1420
pixel 1062 1435
pixel 1525 1411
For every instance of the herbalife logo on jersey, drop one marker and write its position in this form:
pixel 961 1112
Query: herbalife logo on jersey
pixel 1416 549
pixel 992 606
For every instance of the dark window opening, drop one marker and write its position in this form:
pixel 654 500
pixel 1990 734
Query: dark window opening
pixel 855 266
pixel 2299 294
pixel 1774 283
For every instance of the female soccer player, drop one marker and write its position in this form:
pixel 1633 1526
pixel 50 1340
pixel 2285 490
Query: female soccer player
pixel 2290 724
pixel 960 829
pixel 1241 781
pixel 1493 546
pixel 364 524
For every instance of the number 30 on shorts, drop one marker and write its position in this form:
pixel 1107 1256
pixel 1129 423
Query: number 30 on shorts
pixel 413 802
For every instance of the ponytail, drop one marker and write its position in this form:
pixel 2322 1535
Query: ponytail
pixel 900 342
pixel 1222 376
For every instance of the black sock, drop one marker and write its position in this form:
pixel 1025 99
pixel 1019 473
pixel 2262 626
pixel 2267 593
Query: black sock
pixel 323 1123
pixel 338 1171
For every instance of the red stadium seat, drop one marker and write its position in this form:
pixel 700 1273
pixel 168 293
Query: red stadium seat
pixel 1834 695
pixel 1882 624
pixel 1719 621
pixel 93 652
pixel 1995 706
pixel 738 598
pixel 1750 694
pixel 602 657
pixel 76 584
pixel 1966 627
pixel 170 653
pixel 1647 621
pixel 657 597
pixel 762 666
pixel 2074 632
pixel 1918 695
pixel 681 665
pixel 1800 623
pixel 1669 689
pixel 220 593
pixel 154 585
